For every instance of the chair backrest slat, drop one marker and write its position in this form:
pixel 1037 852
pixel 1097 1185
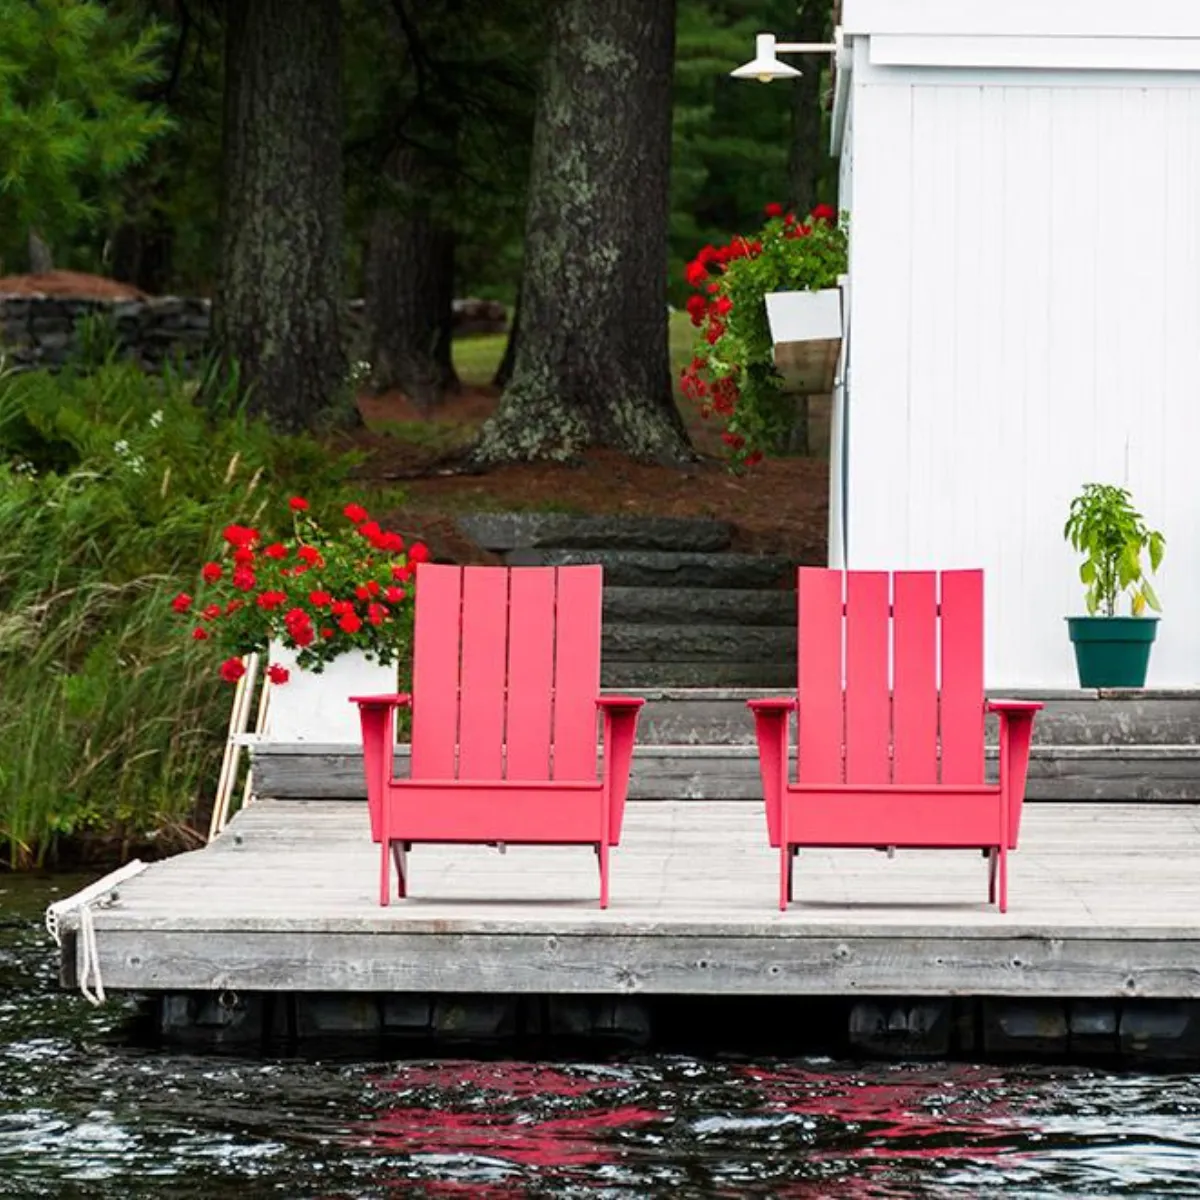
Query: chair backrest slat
pixel 914 675
pixel 868 703
pixel 484 666
pixel 890 686
pixel 506 671
pixel 577 672
pixel 819 676
pixel 436 671
pixel 962 677
pixel 531 666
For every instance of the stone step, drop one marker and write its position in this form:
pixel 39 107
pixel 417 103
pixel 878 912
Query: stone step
pixel 718 715
pixel 501 532
pixel 675 644
pixel 654 568
pixel 701 606
pixel 649 676
pixel 1153 774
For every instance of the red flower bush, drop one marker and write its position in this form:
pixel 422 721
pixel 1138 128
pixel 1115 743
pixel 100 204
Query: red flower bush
pixel 285 590
pixel 732 376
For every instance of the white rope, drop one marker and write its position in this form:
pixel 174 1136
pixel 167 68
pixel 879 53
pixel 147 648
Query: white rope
pixel 98 893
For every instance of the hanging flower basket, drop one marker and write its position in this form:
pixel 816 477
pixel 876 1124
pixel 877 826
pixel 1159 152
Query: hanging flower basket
pixel 806 328
pixel 738 374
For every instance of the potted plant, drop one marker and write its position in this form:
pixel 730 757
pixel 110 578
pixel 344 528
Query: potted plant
pixel 734 374
pixel 1103 525
pixel 332 609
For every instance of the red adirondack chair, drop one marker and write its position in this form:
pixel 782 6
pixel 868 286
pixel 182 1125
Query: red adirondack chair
pixel 506 687
pixel 890 709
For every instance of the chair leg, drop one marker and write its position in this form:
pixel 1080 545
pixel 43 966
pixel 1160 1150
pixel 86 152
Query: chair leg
pixel 602 854
pixel 385 882
pixel 400 858
pixel 785 876
pixel 791 872
pixel 1003 878
pixel 992 856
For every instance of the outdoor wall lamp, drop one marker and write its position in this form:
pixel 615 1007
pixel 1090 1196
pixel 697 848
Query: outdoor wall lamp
pixel 765 66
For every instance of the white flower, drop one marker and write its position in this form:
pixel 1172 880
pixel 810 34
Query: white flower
pixel 121 447
pixel 156 418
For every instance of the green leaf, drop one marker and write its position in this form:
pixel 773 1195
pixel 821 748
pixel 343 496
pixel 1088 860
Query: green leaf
pixel 1151 597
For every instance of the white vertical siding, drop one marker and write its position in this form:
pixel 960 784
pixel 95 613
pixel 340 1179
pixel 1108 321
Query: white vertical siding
pixel 1025 319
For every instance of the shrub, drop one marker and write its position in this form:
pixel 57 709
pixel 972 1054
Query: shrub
pixel 112 485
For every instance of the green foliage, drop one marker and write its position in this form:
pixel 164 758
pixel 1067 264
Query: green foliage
pixel 71 120
pixel 1112 535
pixel 455 83
pixel 733 373
pixel 112 485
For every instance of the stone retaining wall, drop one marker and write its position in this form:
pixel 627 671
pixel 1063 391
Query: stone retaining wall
pixel 47 331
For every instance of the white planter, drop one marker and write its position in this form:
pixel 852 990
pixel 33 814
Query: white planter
pixel 314 707
pixel 806 328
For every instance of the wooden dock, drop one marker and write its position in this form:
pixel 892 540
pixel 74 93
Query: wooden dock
pixel 1105 902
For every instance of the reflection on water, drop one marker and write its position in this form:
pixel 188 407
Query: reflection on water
pixel 82 1114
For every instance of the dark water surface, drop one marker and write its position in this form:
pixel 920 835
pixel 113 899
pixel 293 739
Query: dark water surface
pixel 83 1114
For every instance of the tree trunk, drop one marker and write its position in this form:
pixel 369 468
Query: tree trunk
pixel 41 260
pixel 807 160
pixel 408 288
pixel 278 311
pixel 504 372
pixel 592 366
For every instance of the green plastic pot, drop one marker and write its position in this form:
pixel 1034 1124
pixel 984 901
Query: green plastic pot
pixel 1112 652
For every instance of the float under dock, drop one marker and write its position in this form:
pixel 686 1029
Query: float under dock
pixel 1104 902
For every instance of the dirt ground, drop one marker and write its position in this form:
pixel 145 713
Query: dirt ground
pixel 70 284
pixel 780 506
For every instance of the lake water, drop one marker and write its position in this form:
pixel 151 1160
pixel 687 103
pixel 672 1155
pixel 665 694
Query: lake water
pixel 85 1113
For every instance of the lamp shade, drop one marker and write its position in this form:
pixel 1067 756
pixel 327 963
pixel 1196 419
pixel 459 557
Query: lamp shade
pixel 765 66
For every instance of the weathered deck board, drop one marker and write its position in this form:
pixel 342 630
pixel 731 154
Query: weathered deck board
pixel 1105 901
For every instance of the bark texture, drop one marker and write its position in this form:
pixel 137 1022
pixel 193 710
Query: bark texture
pixel 809 154
pixel 591 366
pixel 408 288
pixel 278 311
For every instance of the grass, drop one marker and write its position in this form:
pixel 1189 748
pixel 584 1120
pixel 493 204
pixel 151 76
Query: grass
pixel 114 489
pixel 477 356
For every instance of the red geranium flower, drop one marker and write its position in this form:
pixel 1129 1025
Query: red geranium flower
pixel 243 579
pixel 319 599
pixel 825 212
pixel 377 613
pixel 269 601
pixel 355 513
pixel 210 572
pixel 350 623
pixel 418 552
pixel 232 669
pixel 277 674
pixel 298 504
pixel 311 555
pixel 240 535
pixel 395 594
pixel 773 209
pixel 276 550
pixel 243 556
pixel 697 306
pixel 402 574
pixel 200 635
pixel 182 602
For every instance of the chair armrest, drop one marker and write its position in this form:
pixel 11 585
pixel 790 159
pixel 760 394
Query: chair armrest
pixel 1014 708
pixel 773 705
pixel 617 704
pixel 395 700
